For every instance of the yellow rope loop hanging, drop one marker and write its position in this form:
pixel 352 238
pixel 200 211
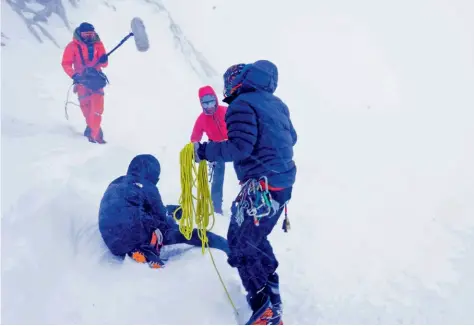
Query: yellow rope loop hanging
pixel 191 178
pixel 200 213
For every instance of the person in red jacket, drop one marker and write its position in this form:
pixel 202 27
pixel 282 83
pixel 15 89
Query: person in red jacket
pixel 83 58
pixel 211 121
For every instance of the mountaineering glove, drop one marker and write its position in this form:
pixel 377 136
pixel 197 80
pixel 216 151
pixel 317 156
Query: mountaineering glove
pixel 76 78
pixel 197 146
pixel 199 151
pixel 103 58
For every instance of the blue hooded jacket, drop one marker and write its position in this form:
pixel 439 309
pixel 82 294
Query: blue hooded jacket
pixel 261 135
pixel 131 208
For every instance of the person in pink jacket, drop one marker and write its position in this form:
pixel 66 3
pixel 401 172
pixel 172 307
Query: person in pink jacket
pixel 211 121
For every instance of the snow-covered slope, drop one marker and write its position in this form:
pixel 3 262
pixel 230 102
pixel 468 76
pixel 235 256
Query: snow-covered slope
pixel 52 179
pixel 382 212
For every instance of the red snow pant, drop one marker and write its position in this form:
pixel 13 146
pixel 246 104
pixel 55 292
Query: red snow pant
pixel 92 107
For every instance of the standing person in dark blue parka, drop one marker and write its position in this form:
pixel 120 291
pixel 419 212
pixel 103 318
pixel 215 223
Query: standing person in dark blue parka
pixel 260 143
pixel 133 220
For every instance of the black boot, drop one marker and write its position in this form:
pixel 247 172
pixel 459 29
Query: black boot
pixel 99 139
pixel 262 311
pixel 273 291
pixel 87 132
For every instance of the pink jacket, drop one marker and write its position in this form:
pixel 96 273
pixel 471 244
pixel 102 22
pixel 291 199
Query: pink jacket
pixel 213 125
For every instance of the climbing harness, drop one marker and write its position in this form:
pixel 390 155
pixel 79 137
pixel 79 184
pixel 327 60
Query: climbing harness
pixel 254 199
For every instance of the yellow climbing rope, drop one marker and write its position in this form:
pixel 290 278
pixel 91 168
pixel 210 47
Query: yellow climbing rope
pixel 201 212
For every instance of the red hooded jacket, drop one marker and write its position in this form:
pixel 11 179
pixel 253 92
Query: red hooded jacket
pixel 213 125
pixel 71 60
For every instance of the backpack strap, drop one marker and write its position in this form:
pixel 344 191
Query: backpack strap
pixel 82 56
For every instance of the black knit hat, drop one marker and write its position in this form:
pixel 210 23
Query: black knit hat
pixel 86 27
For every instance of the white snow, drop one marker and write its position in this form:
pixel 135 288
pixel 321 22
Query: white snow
pixel 381 95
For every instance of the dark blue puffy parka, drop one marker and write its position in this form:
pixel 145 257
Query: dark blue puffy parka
pixel 131 208
pixel 261 135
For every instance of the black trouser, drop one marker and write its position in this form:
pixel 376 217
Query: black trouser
pixel 250 251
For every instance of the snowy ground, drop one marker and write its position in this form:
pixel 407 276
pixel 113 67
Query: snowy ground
pixel 381 94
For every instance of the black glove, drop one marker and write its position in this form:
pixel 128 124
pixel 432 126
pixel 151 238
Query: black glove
pixel 196 149
pixel 103 58
pixel 199 151
pixel 76 78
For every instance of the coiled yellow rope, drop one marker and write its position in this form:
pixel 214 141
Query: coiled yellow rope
pixel 203 210
pixel 190 178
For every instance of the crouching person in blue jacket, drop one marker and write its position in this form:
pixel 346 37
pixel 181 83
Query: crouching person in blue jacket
pixel 133 220
pixel 260 143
